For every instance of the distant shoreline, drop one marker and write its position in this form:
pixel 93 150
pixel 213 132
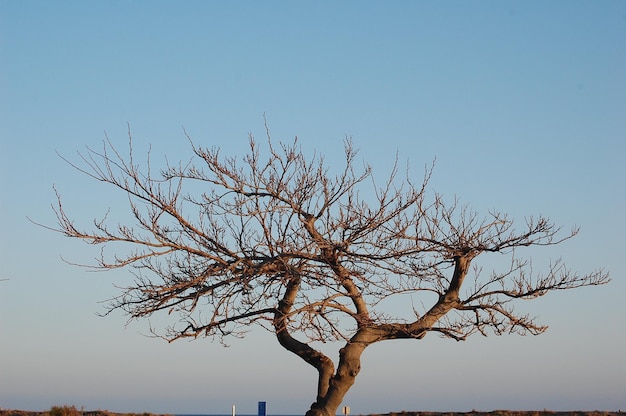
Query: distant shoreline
pixel 72 411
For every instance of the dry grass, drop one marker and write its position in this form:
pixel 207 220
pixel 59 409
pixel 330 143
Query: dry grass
pixel 70 411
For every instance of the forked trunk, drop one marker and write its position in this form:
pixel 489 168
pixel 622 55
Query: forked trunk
pixel 339 384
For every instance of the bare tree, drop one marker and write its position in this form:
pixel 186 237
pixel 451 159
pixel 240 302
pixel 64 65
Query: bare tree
pixel 277 239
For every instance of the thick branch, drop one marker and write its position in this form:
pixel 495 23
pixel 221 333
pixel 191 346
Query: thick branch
pixel 319 361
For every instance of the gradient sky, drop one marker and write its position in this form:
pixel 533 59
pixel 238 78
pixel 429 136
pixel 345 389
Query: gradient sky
pixel 522 103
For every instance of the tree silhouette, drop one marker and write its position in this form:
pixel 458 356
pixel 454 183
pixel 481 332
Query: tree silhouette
pixel 312 254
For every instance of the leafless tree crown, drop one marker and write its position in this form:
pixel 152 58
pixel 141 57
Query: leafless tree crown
pixel 277 234
pixel 311 253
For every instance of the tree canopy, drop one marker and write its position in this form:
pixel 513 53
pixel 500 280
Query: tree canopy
pixel 312 252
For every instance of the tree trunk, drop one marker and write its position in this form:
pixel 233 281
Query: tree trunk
pixel 339 384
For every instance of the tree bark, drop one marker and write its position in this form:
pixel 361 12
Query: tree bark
pixel 347 370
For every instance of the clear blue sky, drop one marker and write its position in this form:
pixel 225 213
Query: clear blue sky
pixel 522 103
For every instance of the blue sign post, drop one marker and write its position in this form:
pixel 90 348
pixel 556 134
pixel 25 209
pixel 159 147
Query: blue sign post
pixel 262 408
